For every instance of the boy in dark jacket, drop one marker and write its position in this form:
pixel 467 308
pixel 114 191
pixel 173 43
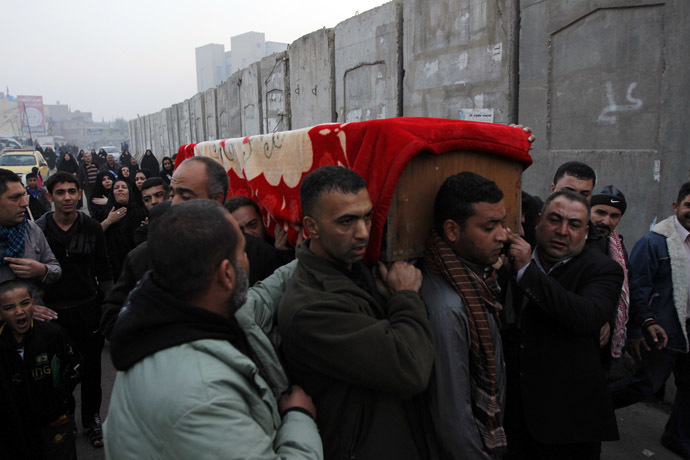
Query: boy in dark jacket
pixel 39 369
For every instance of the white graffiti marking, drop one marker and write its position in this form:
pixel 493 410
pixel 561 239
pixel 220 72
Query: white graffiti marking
pixel 635 104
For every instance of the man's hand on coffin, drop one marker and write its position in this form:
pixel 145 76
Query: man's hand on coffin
pixel 528 130
pixel 280 237
pixel 401 276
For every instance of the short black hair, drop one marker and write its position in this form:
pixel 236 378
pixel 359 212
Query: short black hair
pixel 187 243
pixel 576 169
pixel 154 182
pixel 10 285
pixel 7 176
pixel 570 195
pixel 457 195
pixel 31 175
pixel 683 192
pixel 217 175
pixel 324 180
pixel 60 177
pixel 237 202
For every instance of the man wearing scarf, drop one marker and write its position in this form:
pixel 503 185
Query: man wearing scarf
pixel 467 388
pixel 24 251
pixel 608 206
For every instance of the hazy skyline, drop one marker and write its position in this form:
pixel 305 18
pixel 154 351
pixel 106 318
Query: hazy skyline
pixel 126 57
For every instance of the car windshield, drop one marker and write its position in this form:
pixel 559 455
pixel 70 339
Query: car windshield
pixel 17 160
pixel 110 150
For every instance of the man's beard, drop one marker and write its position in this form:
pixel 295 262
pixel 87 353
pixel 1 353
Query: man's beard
pixel 604 230
pixel 239 297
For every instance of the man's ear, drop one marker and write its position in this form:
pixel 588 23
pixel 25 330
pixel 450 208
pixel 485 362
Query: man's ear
pixel 311 226
pixel 218 197
pixel 451 230
pixel 50 197
pixel 675 207
pixel 79 195
pixel 553 186
pixel 226 276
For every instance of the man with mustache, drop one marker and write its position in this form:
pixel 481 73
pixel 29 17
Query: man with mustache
pixel 24 251
pixel 562 409
pixel 467 388
pixel 359 352
pixel 608 206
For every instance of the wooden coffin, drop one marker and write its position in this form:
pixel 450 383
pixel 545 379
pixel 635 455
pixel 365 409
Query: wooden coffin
pixel 410 217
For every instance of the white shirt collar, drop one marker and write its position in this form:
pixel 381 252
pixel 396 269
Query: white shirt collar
pixel 535 257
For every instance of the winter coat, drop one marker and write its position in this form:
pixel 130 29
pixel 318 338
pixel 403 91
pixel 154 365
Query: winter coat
pixel 360 357
pixel 185 389
pixel 150 163
pixel 659 284
pixel 36 248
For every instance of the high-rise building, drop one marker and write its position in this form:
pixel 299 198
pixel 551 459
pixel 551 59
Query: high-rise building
pixel 228 64
pixel 275 47
pixel 215 65
pixel 210 66
pixel 247 48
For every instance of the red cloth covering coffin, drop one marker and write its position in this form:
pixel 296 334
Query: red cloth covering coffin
pixel 269 168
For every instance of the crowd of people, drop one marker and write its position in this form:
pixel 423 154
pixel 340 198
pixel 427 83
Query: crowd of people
pixel 229 343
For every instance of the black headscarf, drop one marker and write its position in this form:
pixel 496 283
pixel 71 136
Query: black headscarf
pixel 150 162
pixel 68 165
pixel 119 236
pixel 166 174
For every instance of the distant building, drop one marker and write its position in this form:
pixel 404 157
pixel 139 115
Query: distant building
pixel 210 66
pixel 10 123
pixel 247 48
pixel 228 64
pixel 275 47
pixel 215 65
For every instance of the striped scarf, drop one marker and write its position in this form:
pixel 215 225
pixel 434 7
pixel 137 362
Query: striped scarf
pixel 480 302
pixel 618 336
pixel 12 239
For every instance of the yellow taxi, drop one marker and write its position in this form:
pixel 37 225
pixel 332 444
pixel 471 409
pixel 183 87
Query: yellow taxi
pixel 21 161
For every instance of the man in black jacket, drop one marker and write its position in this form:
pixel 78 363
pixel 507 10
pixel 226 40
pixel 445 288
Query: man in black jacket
pixel 79 245
pixel 560 407
pixel 361 355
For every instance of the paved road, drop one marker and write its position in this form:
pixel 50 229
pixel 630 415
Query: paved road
pixel 84 449
pixel 640 427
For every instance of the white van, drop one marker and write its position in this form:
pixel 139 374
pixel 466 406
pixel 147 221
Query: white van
pixel 112 150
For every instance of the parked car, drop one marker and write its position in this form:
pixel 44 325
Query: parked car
pixel 8 142
pixel 21 161
pixel 112 150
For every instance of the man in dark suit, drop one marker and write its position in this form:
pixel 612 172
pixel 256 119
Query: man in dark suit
pixel 558 406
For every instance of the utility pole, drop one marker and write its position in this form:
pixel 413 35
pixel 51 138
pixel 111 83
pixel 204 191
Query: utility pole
pixel 26 116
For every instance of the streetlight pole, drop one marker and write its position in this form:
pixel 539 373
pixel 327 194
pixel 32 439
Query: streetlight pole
pixel 28 125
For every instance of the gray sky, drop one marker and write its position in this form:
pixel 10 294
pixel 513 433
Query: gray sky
pixel 127 57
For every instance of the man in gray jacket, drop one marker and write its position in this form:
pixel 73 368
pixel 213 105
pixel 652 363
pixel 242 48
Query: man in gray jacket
pixel 467 388
pixel 189 383
pixel 24 251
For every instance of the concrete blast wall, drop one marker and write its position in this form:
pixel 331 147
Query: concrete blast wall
pixel 600 81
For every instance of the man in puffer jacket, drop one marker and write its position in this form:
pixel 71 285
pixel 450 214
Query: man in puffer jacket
pixel 192 381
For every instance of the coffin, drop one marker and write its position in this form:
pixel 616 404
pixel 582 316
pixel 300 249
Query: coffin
pixel 403 160
pixel 410 216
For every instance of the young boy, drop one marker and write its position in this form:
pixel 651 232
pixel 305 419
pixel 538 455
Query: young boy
pixel 39 369
pixel 38 202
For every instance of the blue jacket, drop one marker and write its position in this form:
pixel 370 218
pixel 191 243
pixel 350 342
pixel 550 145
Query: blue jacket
pixel 658 284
